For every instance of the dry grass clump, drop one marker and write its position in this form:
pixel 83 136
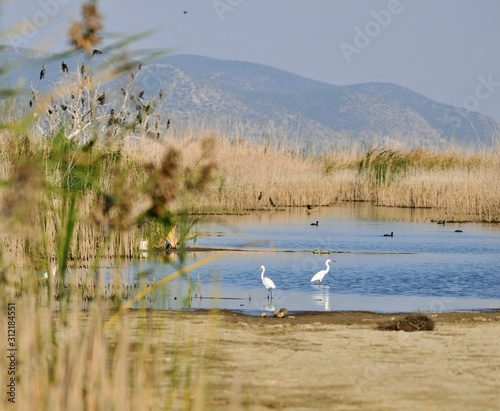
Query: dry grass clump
pixel 410 322
pixel 383 165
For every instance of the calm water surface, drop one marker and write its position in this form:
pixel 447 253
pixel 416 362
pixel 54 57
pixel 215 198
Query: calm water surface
pixel 425 266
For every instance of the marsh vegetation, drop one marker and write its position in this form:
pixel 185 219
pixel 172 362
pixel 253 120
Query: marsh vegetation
pixel 85 178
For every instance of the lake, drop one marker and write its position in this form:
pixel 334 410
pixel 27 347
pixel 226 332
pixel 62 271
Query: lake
pixel 424 267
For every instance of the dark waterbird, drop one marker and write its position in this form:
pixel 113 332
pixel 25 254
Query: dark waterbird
pixel 316 223
pixel 271 202
pixel 112 120
pixel 64 67
pixel 389 235
pixel 42 73
pixel 102 98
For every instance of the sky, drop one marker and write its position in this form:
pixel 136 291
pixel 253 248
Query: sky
pixel 446 50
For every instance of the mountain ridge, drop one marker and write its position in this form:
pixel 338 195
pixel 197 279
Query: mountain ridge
pixel 256 95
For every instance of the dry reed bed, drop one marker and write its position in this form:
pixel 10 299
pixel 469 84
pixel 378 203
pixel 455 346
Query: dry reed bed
pixel 456 195
pixel 289 179
pixel 459 187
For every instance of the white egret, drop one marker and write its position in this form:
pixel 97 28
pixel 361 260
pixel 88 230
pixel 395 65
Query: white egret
pixel 320 274
pixel 266 281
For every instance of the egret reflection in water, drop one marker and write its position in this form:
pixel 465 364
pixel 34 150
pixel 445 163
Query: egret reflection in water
pixel 270 306
pixel 321 296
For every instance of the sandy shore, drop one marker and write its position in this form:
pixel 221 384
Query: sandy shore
pixel 339 361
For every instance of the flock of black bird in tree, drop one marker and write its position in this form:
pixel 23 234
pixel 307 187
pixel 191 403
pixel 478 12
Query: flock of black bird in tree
pixel 64 66
pixel 141 106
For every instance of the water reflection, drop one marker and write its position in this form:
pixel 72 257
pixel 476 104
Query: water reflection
pixel 270 306
pixel 171 256
pixel 321 296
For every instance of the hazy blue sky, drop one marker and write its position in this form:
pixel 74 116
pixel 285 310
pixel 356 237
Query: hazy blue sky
pixel 445 49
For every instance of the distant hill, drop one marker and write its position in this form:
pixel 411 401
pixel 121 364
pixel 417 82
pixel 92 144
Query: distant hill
pixel 259 96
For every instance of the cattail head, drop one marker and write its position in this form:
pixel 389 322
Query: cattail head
pixel 84 35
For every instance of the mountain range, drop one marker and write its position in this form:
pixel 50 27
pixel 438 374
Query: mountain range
pixel 264 99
